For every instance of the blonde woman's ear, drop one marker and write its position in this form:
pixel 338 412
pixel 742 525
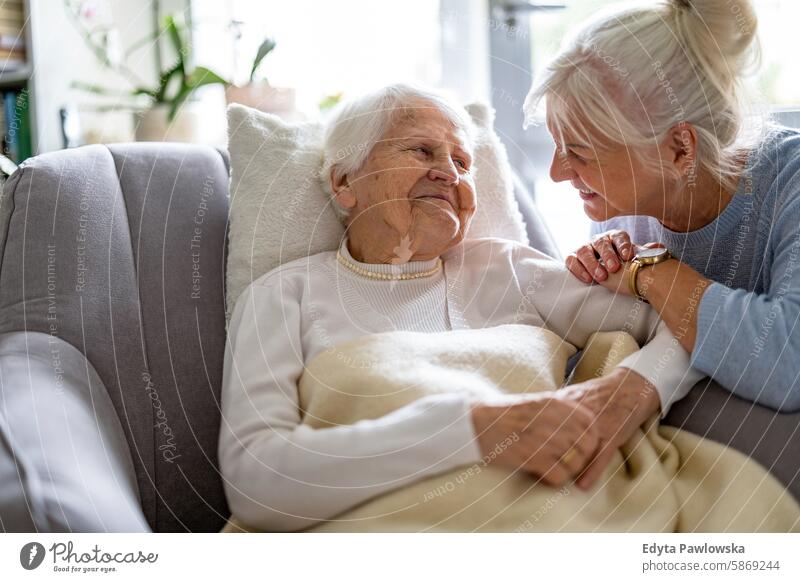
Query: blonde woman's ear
pixel 682 142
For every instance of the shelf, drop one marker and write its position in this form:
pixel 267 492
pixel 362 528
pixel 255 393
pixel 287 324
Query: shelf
pixel 14 78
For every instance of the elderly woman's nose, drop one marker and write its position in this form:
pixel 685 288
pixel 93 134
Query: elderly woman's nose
pixel 444 170
pixel 560 169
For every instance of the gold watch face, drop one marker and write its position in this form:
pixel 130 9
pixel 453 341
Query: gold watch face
pixel 652 256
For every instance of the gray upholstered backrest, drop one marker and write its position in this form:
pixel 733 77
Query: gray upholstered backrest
pixel 539 235
pixel 120 251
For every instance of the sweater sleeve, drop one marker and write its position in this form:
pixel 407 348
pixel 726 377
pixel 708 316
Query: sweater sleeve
pixel 575 310
pixel 280 475
pixel 750 342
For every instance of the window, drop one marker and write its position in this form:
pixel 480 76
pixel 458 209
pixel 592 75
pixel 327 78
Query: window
pixel 350 46
pixel 323 48
pixel 774 83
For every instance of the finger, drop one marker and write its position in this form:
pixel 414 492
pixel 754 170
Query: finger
pixel 596 468
pixel 575 442
pixel 608 253
pixel 581 418
pixel 583 444
pixel 587 257
pixel 574 460
pixel 588 443
pixel 555 474
pixel 622 242
pixel 575 267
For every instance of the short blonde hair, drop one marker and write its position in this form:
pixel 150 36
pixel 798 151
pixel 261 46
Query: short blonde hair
pixel 630 75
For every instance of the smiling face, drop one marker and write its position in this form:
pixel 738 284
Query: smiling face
pixel 612 181
pixel 414 192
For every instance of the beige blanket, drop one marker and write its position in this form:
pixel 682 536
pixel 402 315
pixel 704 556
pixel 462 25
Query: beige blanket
pixel 662 480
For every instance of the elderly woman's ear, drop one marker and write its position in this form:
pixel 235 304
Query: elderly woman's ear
pixel 342 192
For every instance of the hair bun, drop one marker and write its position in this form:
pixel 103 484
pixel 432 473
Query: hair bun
pixel 720 33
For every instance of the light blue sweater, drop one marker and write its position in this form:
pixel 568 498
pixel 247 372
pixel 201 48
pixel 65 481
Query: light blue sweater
pixel 748 331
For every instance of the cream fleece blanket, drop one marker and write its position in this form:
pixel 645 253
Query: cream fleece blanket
pixel 662 480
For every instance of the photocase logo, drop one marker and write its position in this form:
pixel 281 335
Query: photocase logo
pixel 31 555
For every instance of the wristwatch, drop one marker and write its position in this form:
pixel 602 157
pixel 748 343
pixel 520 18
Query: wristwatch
pixel 644 258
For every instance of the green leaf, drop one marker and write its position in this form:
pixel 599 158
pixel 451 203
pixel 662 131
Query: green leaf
pixel 100 90
pixel 266 47
pixel 200 76
pixel 203 76
pixel 174 34
pixel 175 104
pixel 142 42
pixel 330 101
pixel 145 91
pixel 161 93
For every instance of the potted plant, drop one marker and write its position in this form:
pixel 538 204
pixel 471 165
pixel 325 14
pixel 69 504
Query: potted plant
pixel 165 111
pixel 258 93
pixel 172 115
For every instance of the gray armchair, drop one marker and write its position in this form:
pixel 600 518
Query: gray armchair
pixel 112 331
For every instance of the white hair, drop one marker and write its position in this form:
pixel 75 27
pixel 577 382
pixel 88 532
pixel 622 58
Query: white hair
pixel 632 74
pixel 358 124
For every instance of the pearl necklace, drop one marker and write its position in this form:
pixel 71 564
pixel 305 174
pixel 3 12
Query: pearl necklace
pixel 387 276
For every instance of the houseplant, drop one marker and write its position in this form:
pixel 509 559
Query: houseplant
pixel 258 93
pixel 167 110
pixel 172 115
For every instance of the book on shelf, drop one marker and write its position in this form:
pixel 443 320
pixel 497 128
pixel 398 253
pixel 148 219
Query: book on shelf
pixel 16 126
pixel 11 24
pixel 15 121
pixel 12 35
pixel 12 19
pixel 11 65
pixel 11 54
pixel 12 11
pixel 12 42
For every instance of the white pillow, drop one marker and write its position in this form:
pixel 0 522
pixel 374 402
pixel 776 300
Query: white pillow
pixel 497 214
pixel 279 211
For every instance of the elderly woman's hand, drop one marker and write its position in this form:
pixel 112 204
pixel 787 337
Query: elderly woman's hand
pixel 620 402
pixel 598 260
pixel 546 435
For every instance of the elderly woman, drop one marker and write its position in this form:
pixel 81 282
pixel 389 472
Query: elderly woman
pixel 655 133
pixel 405 188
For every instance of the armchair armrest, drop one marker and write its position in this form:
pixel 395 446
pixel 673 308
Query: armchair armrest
pixel 65 465
pixel 769 437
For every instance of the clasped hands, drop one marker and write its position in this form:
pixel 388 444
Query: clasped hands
pixel 573 433
pixel 569 434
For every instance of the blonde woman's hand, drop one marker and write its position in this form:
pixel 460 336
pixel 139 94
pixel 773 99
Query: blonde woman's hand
pixel 546 435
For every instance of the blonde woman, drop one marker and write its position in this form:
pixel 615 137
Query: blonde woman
pixel 647 110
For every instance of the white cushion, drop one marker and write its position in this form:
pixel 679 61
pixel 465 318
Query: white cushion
pixel 279 211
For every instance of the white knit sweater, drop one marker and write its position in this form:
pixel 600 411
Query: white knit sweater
pixel 281 475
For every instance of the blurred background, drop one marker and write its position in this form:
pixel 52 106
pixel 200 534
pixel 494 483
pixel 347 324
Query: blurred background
pixel 74 72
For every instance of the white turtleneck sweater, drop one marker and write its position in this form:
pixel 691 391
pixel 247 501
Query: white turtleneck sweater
pixel 280 475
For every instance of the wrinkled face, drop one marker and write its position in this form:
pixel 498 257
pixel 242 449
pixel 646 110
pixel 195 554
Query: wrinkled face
pixel 611 182
pixel 415 188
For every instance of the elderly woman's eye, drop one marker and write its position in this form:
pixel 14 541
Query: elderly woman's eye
pixel 462 164
pixel 423 150
pixel 575 156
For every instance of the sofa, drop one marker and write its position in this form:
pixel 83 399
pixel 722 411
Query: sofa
pixel 112 332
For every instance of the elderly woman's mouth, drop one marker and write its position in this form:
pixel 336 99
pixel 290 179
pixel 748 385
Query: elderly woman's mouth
pixel 429 197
